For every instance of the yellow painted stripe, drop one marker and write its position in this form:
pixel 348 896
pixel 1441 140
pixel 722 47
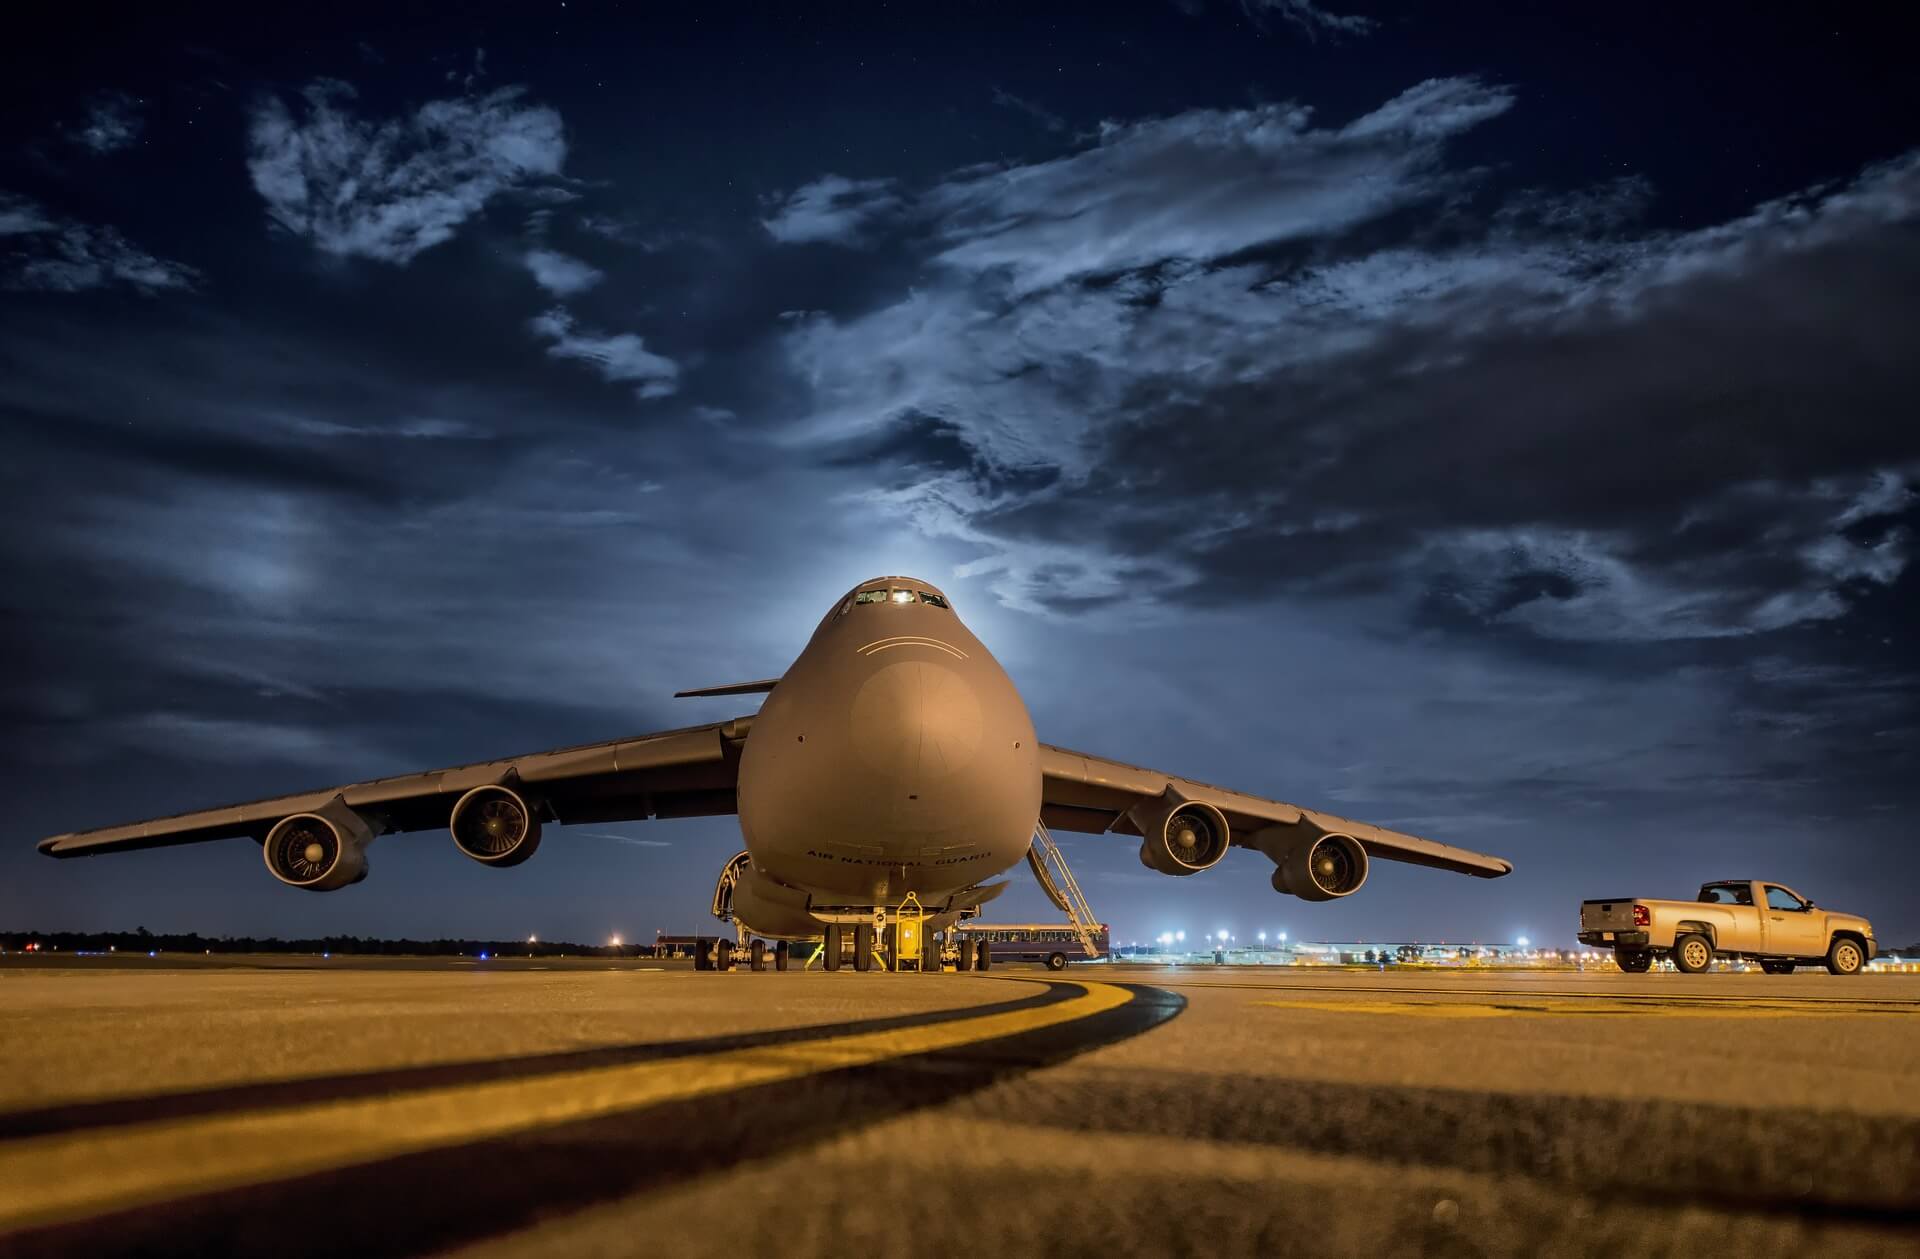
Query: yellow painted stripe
pixel 45 1180
pixel 1504 1009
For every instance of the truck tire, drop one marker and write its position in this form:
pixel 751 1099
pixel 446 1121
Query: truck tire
pixel 1692 954
pixel 1845 957
pixel 1056 961
pixel 1633 963
pixel 1777 968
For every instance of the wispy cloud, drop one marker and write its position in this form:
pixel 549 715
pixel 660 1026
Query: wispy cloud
pixel 113 122
pixel 390 189
pixel 832 208
pixel 620 356
pixel 50 254
pixel 560 274
pixel 1309 18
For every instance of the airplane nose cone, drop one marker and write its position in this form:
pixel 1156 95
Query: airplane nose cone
pixel 916 722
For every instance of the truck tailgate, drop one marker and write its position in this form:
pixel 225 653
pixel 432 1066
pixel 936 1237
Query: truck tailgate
pixel 1613 915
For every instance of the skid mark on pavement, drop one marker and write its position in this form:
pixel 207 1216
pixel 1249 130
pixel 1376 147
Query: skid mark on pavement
pixel 246 1182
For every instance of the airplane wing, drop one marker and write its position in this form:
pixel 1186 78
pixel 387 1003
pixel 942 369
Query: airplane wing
pixel 676 773
pixel 1095 795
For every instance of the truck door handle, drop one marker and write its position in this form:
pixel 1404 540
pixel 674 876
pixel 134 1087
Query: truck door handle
pixel 1778 918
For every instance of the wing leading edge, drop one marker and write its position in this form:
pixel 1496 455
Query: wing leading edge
pixel 676 773
pixel 1092 794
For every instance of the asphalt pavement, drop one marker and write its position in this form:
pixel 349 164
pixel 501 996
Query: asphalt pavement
pixel 516 1108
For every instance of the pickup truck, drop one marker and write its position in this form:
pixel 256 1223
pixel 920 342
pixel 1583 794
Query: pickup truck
pixel 1772 924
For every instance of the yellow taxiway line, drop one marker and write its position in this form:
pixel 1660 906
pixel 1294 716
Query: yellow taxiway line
pixel 1523 1004
pixel 45 1180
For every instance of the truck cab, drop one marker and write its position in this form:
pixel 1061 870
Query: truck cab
pixel 1742 918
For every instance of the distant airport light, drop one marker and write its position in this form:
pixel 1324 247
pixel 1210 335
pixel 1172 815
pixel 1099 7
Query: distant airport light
pixel 1522 942
pixel 616 942
pixel 530 940
pixel 1181 936
pixel 1283 937
pixel 1263 937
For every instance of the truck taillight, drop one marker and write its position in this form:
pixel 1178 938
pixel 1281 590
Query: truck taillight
pixel 1641 918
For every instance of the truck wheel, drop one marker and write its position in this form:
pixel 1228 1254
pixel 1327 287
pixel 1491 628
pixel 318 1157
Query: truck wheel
pixel 1692 955
pixel 1633 963
pixel 1845 957
pixel 1056 961
pixel 1777 968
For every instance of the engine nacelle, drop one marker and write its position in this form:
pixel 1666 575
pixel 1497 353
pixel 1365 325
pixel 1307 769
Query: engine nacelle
pixel 1319 868
pixel 495 825
pixel 321 851
pixel 1180 836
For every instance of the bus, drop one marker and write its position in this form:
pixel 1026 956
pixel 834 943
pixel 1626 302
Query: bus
pixel 1051 943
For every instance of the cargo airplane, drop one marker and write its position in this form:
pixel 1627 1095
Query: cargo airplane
pixel 894 756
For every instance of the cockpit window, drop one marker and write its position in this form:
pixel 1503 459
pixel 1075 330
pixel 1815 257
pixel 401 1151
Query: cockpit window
pixel 927 596
pixel 901 596
pixel 871 596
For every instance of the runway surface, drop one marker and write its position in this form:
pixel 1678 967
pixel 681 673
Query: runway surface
pixel 514 1108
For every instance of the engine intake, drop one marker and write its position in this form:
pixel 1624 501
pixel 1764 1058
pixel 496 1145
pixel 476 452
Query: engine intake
pixel 1322 869
pixel 320 852
pixel 1181 836
pixel 495 825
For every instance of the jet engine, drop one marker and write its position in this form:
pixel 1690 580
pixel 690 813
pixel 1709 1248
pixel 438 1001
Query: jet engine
pixel 321 852
pixel 1321 868
pixel 1180 836
pixel 495 825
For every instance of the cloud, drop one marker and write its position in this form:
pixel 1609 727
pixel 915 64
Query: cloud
pixel 832 208
pixel 1202 185
pixel 1231 356
pixel 388 190
pixel 1309 19
pixel 1045 117
pixel 47 254
pixel 113 122
pixel 618 357
pixel 559 274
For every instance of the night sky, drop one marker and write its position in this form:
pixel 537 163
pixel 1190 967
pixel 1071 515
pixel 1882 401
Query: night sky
pixel 1499 427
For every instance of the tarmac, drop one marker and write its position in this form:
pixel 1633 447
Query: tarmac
pixel 517 1107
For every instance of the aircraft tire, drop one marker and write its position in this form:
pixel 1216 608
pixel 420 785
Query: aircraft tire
pixel 702 958
pixel 983 955
pixel 830 948
pixel 963 956
pixel 890 946
pixel 723 955
pixel 757 955
pixel 781 950
pixel 863 946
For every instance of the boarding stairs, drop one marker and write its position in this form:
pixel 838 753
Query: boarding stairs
pixel 1056 880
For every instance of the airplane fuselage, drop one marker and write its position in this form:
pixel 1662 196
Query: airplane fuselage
pixel 894 756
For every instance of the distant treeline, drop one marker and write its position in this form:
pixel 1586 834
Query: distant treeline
pixel 142 940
